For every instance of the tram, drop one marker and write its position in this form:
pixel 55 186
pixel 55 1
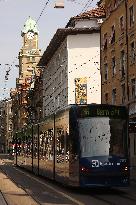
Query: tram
pixel 81 145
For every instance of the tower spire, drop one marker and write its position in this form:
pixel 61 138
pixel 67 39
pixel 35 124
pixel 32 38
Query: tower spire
pixel 30 25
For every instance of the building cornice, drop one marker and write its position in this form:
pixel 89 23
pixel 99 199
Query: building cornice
pixel 59 37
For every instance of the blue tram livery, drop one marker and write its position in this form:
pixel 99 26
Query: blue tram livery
pixel 82 145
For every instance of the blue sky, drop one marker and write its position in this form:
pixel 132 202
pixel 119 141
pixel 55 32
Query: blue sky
pixel 13 14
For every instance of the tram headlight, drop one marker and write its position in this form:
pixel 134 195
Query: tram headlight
pixel 126 168
pixel 84 169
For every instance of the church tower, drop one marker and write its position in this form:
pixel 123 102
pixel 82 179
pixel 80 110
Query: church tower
pixel 29 57
pixel 29 54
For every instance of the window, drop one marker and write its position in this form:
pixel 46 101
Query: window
pixel 113 66
pixel 106 98
pixel 131 16
pixel 114 96
pixel 132 52
pixel 134 144
pixel 105 41
pixel 133 88
pixel 28 59
pixel 122 63
pixel 121 23
pixel 115 3
pixel 109 9
pixel 101 136
pixel 31 59
pixel 123 93
pixel 0 112
pixel 113 35
pixel 10 127
pixel 106 71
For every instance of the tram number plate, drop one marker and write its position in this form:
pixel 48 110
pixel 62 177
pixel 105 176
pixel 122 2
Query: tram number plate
pixel 96 163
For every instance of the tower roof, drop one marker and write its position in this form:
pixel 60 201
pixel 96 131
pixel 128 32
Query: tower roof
pixel 30 25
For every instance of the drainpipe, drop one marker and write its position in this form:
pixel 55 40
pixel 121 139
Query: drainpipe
pixel 127 58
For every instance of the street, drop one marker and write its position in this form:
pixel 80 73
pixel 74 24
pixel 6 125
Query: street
pixel 19 187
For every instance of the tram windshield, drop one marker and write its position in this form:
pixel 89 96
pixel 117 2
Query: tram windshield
pixel 102 136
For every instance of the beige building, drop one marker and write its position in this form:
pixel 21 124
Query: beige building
pixel 29 56
pixel 35 99
pixel 2 128
pixel 118 60
pixel 6 127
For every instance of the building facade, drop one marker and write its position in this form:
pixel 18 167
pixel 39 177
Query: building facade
pixel 72 73
pixel 2 128
pixel 35 99
pixel 118 60
pixel 6 126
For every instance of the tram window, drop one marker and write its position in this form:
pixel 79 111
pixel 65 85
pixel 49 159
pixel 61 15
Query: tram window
pixel 41 142
pixel 47 144
pixel 101 136
pixel 134 144
pixel 60 145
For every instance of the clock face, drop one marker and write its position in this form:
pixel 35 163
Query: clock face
pixel 30 35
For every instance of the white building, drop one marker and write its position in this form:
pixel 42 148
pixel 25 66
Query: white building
pixel 72 67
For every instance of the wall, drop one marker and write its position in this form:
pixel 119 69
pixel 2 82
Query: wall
pixel 55 81
pixel 86 23
pixel 84 61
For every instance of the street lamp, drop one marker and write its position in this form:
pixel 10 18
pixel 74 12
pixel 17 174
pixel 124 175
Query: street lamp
pixel 59 4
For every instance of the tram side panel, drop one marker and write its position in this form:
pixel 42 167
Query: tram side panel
pixel 35 149
pixel 62 147
pixel 28 148
pixel 20 138
pixel 74 153
pixel 46 148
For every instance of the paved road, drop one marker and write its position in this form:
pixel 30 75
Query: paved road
pixel 2 200
pixel 46 192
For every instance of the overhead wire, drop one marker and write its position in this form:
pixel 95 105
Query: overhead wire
pixel 76 2
pixel 86 5
pixel 7 73
pixel 47 2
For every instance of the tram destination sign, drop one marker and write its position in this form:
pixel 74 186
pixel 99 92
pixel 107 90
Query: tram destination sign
pixel 99 111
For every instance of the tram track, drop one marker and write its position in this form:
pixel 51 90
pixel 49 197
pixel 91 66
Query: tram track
pixel 121 195
pixel 50 187
pixel 2 199
pixel 68 197
pixel 106 202
pixel 95 196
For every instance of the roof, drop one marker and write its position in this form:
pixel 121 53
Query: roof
pixel 98 12
pixel 59 37
pixel 30 25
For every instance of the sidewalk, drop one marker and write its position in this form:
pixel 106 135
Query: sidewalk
pixel 12 193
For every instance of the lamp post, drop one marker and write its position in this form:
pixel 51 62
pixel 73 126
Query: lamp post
pixel 59 4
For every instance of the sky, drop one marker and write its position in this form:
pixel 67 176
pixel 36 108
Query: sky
pixel 14 13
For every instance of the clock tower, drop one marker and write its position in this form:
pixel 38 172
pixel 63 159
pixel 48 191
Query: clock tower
pixel 29 54
pixel 29 57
